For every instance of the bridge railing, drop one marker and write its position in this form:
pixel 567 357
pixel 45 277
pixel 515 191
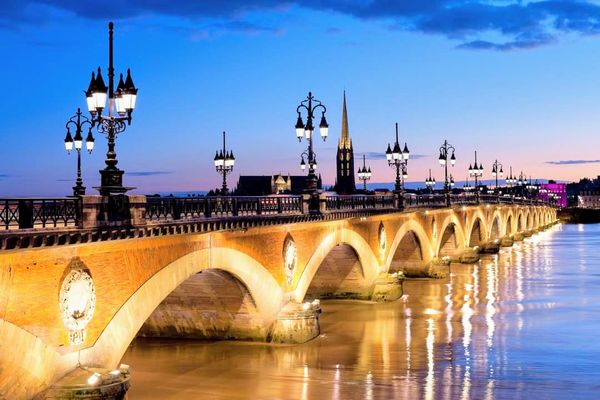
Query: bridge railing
pixel 354 202
pixel 39 213
pixel 182 208
pixel 90 211
pixel 426 200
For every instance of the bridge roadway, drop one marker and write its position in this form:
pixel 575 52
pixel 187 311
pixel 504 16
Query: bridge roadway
pixel 116 269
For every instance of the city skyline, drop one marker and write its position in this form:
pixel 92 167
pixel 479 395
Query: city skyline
pixel 436 85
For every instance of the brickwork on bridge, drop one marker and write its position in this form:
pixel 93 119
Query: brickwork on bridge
pixel 154 282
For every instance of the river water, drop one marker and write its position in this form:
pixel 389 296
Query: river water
pixel 523 324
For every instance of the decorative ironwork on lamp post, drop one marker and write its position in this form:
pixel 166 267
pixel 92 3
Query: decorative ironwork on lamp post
pixel 364 174
pixel 121 103
pixel 476 172
pixel 430 182
pixel 307 130
pixel 78 122
pixel 497 171
pixel 398 159
pixel 444 158
pixel 224 162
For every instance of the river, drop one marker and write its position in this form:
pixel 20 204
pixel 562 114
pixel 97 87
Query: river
pixel 523 324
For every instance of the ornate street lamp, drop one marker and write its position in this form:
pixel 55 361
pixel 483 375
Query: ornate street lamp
pixel 444 158
pixel 476 172
pixel 398 159
pixel 364 174
pixel 522 184
pixel 78 122
pixel 430 182
pixel 121 103
pixel 510 179
pixel 497 171
pixel 533 188
pixel 224 162
pixel 306 130
pixel 466 186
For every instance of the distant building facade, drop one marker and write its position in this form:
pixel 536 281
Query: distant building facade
pixel 589 199
pixel 554 190
pixel 264 185
pixel 345 182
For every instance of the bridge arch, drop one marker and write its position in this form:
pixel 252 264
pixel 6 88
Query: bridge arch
pixel 451 237
pixel 342 237
pixel 496 226
pixel 266 294
pixel 411 247
pixel 520 221
pixel 509 223
pixel 477 231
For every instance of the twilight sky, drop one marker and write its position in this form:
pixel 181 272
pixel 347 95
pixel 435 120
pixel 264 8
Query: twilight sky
pixel 517 80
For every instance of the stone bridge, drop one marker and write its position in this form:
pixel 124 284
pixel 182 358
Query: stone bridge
pixel 257 282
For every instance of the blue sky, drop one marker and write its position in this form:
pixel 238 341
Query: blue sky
pixel 516 80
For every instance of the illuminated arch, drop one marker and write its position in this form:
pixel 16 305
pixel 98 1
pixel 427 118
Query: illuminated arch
pixel 451 219
pixel 477 216
pixel 498 222
pixel 123 327
pixel 424 241
pixel 368 260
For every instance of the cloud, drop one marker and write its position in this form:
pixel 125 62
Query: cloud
pixel 513 24
pixel 572 162
pixel 149 173
pixel 373 155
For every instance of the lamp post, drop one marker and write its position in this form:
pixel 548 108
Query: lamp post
pixel 466 186
pixel 522 182
pixel 78 122
pixel 533 188
pixel 398 159
pixel 476 172
pixel 511 180
pixel 224 162
pixel 497 171
pixel 443 159
pixel 364 174
pixel 430 182
pixel 307 130
pixel 121 103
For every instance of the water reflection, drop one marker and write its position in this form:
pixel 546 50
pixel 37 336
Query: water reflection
pixel 508 327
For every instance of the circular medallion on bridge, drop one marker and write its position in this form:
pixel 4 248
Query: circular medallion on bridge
pixel 290 258
pixel 382 239
pixel 77 302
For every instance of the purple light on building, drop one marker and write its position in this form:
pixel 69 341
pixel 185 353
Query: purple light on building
pixel 556 190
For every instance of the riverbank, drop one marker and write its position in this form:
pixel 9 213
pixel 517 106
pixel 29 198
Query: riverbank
pixel 576 215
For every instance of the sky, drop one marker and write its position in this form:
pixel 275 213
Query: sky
pixel 518 81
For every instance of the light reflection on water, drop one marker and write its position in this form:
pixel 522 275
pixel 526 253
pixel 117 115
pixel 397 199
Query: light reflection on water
pixel 520 324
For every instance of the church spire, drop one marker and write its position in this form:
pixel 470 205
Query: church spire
pixel 345 141
pixel 344 182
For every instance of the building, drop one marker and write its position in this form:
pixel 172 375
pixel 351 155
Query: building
pixel 553 191
pixel 344 182
pixel 264 185
pixel 589 199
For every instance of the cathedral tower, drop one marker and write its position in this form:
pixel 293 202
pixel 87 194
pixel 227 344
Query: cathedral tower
pixel 344 183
